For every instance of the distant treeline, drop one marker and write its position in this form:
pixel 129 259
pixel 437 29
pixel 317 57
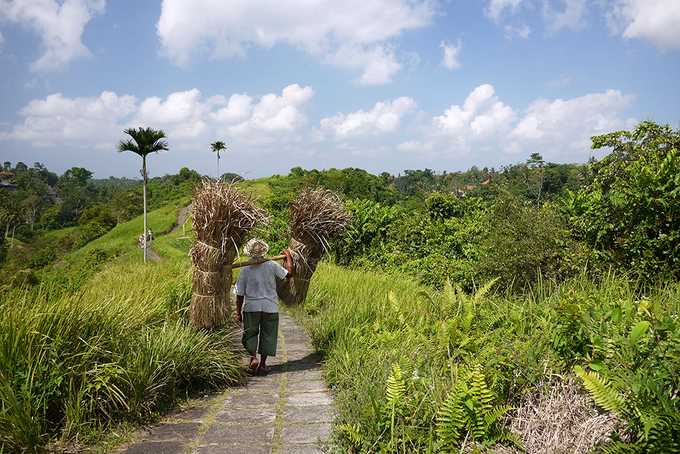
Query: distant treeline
pixel 519 223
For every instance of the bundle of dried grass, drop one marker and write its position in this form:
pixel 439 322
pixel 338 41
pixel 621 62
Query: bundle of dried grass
pixel 317 216
pixel 560 418
pixel 222 216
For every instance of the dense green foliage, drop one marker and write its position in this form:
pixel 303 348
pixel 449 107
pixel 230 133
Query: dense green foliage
pixel 68 211
pixel 417 370
pixel 461 294
pixel 630 210
pixel 525 222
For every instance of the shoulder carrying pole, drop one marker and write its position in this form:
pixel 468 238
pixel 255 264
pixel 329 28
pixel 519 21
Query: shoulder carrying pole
pixel 257 261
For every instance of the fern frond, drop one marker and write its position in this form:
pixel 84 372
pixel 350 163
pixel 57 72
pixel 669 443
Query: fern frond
pixel 480 390
pixel 506 437
pixel 396 388
pixel 495 415
pixel 352 432
pixel 601 391
pixel 451 420
pixel 650 423
pixel 664 435
pixel 482 291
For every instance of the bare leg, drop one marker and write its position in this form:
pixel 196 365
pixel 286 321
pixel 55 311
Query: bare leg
pixel 263 369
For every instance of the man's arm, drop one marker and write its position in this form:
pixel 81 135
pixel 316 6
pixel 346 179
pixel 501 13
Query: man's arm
pixel 288 263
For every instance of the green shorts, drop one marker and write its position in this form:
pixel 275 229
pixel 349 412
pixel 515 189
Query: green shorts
pixel 260 332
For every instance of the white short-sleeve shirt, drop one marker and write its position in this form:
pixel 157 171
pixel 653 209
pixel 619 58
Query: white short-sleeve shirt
pixel 257 285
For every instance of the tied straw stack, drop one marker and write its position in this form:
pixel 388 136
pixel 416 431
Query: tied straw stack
pixel 317 216
pixel 222 217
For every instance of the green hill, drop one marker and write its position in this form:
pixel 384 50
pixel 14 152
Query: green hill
pixel 103 340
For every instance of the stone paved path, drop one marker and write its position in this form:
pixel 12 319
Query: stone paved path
pixel 288 411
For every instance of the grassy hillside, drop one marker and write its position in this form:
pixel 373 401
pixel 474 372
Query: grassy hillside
pixel 55 257
pixel 40 251
pixel 104 339
pixel 422 371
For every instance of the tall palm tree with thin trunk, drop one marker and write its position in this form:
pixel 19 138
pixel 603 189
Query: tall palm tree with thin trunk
pixel 143 142
pixel 217 147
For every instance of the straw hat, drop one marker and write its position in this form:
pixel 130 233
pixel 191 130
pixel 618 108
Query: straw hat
pixel 256 248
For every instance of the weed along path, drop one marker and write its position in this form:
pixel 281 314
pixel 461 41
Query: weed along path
pixel 288 411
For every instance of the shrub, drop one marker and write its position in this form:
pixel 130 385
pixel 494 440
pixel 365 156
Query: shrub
pixel 630 211
pixel 522 243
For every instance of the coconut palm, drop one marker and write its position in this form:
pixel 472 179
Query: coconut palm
pixel 144 141
pixel 217 147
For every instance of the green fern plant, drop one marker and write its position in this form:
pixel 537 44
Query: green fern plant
pixel 395 393
pixel 658 430
pixel 601 391
pixel 469 413
pixel 396 388
pixel 352 432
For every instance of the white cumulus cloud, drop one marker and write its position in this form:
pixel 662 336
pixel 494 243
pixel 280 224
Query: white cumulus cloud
pixel 482 115
pixel 57 120
pixel 451 54
pixel 352 33
pixel 560 129
pixel 378 64
pixel 384 117
pixel 60 25
pixel 187 117
pixel 274 114
pixel 237 109
pixel 657 21
pixel 184 113
pixel 570 123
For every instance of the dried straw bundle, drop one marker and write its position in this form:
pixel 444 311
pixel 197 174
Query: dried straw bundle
pixel 317 216
pixel 559 418
pixel 222 216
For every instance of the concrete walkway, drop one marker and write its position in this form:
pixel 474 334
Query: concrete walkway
pixel 288 411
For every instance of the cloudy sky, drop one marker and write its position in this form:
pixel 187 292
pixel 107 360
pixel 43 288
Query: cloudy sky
pixel 378 84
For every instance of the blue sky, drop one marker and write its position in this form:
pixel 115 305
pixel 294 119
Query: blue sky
pixel 382 85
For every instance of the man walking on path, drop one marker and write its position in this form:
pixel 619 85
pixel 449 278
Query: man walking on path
pixel 257 305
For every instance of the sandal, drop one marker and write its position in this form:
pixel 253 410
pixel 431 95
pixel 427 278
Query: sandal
pixel 263 370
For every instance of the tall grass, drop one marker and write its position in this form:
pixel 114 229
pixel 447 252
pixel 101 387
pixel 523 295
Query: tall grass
pixel 411 367
pixel 117 349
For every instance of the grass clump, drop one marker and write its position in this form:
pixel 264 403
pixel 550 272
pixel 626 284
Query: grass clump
pixel 118 349
pixel 423 371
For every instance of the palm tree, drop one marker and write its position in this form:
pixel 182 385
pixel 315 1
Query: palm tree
pixel 144 141
pixel 217 147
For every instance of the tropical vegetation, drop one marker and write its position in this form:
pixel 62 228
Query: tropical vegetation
pixel 455 306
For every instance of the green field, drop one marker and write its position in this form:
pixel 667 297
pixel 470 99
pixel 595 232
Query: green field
pixel 104 340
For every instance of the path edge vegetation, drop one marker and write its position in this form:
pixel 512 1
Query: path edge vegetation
pixel 583 295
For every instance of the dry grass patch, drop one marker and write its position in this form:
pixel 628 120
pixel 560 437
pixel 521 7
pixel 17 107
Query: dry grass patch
pixel 560 418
